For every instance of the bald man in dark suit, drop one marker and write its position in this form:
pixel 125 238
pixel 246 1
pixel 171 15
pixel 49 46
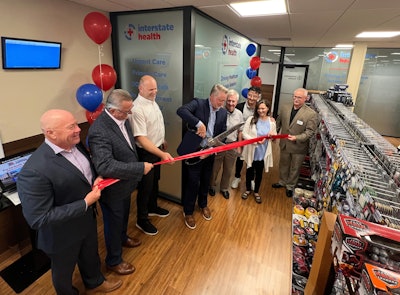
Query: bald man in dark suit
pixel 114 155
pixel 58 192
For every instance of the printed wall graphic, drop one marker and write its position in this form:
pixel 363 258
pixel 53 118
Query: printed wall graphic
pixel 152 44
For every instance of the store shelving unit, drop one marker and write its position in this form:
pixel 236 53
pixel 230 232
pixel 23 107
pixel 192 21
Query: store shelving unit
pixel 356 170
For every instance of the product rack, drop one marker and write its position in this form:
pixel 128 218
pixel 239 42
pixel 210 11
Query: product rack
pixel 364 178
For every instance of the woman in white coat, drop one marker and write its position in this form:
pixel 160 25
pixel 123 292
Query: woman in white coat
pixel 258 156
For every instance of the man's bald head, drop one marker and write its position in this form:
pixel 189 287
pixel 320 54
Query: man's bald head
pixel 53 118
pixel 61 128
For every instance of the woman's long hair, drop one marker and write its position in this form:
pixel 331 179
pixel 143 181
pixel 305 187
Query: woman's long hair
pixel 256 115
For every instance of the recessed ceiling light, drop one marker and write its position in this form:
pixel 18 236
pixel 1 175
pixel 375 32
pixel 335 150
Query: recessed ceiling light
pixel 259 8
pixel 344 46
pixel 395 53
pixel 378 34
pixel 274 50
pixel 380 56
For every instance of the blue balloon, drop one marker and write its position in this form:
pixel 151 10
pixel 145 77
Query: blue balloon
pixel 251 49
pixel 89 96
pixel 250 73
pixel 244 92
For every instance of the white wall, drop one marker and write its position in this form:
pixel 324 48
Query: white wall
pixel 26 94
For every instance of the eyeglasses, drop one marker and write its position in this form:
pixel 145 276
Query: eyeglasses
pixel 124 112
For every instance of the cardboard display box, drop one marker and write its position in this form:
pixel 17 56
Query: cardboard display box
pixel 322 260
pixel 357 241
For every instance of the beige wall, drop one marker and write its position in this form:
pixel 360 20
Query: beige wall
pixel 26 94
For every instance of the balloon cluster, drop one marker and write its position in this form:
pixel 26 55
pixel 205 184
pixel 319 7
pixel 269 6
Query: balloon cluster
pixel 90 96
pixel 251 72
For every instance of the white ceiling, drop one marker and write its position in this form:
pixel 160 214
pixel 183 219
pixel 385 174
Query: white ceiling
pixel 309 23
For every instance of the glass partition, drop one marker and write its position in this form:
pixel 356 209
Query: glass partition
pixel 151 43
pixel 327 66
pixel 220 57
pixel 378 99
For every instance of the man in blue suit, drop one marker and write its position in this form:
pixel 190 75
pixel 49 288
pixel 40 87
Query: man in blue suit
pixel 205 119
pixel 114 155
pixel 58 192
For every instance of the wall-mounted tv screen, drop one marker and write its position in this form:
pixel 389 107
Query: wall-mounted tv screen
pixel 30 54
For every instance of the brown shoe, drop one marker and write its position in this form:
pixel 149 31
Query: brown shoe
pixel 206 213
pixel 124 268
pixel 106 287
pixel 131 242
pixel 189 221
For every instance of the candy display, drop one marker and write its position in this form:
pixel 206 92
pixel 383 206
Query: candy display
pixel 357 241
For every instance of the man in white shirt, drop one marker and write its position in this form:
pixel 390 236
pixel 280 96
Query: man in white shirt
pixel 227 159
pixel 148 129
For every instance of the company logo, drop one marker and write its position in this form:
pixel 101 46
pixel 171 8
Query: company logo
pixel 130 31
pixel 225 44
pixel 356 225
pixel 147 31
pixel 354 243
pixel 230 46
pixel 385 277
pixel 331 56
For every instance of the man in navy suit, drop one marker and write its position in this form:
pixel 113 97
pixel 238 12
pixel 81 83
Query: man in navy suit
pixel 114 155
pixel 205 119
pixel 58 192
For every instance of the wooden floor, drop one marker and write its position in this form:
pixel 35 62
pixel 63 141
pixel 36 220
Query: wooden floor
pixel 244 249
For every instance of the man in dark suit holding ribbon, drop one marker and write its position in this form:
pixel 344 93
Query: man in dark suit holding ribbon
pixel 205 118
pixel 58 192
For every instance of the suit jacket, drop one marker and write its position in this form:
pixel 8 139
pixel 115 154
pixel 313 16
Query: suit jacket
pixel 303 126
pixel 191 113
pixel 52 190
pixel 113 157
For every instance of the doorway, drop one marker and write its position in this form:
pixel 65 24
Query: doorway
pixel 293 77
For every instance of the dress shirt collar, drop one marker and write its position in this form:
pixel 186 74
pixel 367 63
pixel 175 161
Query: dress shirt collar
pixel 118 122
pixel 211 107
pixel 144 100
pixel 54 147
pixel 248 107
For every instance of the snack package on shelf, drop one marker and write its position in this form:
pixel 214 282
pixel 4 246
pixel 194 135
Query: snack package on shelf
pixel 378 281
pixel 356 241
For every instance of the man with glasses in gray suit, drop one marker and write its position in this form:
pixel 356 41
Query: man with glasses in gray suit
pixel 114 155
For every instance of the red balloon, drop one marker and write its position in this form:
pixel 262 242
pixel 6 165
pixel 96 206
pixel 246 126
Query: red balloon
pixel 256 81
pixel 97 27
pixel 104 76
pixel 255 62
pixel 91 116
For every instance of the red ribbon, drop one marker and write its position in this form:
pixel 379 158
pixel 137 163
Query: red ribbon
pixel 106 182
pixel 222 148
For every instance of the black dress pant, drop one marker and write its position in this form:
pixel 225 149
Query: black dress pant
pixel 146 199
